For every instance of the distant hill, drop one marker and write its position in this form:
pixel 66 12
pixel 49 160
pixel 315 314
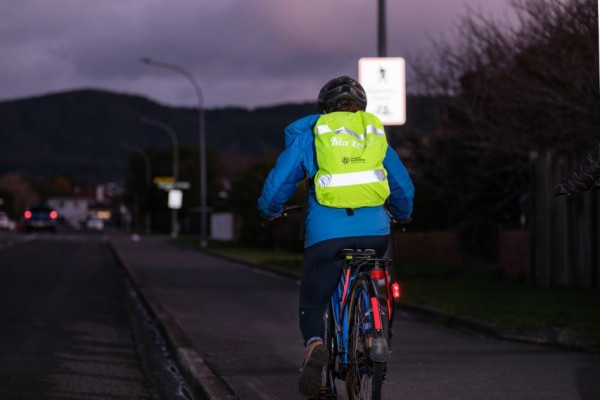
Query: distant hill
pixel 80 132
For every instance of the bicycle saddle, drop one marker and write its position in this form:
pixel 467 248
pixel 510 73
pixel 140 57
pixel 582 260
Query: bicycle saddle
pixel 357 252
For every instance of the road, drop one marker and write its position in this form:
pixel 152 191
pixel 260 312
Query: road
pixel 66 331
pixel 242 322
pixel 65 319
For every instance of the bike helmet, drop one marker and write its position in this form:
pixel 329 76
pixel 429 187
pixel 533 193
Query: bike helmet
pixel 342 87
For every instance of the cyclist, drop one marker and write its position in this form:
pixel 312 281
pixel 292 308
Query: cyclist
pixel 353 172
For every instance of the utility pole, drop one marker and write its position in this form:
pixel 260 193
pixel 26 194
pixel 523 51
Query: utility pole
pixel 169 131
pixel 381 29
pixel 147 217
pixel 202 140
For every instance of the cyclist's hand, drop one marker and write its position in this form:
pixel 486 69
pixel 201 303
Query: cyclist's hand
pixel 263 216
pixel 401 223
pixel 284 213
pixel 268 220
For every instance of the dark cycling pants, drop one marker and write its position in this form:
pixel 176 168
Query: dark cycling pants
pixel 321 271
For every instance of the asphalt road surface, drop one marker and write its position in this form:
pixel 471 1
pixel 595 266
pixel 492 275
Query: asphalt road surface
pixel 66 333
pixel 65 323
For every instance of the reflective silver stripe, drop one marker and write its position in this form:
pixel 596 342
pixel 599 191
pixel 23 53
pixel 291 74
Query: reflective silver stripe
pixel 375 130
pixel 372 129
pixel 352 178
pixel 321 129
pixel 345 130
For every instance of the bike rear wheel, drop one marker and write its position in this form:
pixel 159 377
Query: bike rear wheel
pixel 364 376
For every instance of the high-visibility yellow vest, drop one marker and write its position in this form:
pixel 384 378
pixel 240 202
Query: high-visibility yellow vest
pixel 350 150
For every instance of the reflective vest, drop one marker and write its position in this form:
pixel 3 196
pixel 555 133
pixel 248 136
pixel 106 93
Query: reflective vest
pixel 350 148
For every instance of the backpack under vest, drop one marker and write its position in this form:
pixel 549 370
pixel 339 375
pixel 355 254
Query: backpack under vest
pixel 350 149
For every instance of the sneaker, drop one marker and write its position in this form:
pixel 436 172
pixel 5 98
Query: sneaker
pixel 315 358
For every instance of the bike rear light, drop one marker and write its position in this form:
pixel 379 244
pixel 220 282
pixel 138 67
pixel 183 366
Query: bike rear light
pixel 376 313
pixel 53 214
pixel 377 274
pixel 27 214
pixel 396 290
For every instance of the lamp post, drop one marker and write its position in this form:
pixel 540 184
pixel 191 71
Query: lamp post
pixel 142 153
pixel 166 128
pixel 381 30
pixel 201 134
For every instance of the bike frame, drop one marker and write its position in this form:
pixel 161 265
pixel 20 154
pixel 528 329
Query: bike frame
pixel 358 263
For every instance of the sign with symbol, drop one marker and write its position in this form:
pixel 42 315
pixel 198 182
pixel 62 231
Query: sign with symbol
pixel 175 199
pixel 168 183
pixel 384 80
pixel 174 185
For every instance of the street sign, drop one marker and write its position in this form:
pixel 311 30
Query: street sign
pixel 163 179
pixel 384 80
pixel 174 185
pixel 175 199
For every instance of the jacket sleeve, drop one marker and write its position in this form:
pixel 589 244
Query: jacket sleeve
pixel 402 190
pixel 585 175
pixel 283 179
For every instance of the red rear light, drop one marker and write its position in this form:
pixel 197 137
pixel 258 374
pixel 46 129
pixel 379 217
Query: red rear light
pixel 396 290
pixel 53 214
pixel 27 214
pixel 376 274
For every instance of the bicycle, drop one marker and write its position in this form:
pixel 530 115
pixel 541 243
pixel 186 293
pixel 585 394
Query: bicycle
pixel 358 324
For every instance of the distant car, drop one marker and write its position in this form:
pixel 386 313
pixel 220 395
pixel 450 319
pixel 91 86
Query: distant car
pixel 39 218
pixel 95 224
pixel 4 221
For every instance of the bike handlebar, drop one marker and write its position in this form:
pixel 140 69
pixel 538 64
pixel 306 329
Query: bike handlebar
pixel 290 209
pixel 286 210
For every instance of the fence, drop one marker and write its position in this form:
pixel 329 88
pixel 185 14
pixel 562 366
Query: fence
pixel 427 247
pixel 442 248
pixel 565 230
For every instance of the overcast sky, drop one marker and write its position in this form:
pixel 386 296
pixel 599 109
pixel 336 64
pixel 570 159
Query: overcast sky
pixel 246 53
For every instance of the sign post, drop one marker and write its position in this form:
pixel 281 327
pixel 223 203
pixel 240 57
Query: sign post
pixel 384 80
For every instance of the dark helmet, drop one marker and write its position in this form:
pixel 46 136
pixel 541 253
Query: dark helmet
pixel 343 87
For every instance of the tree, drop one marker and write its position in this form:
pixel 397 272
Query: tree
pixel 18 193
pixel 508 90
pixel 244 194
pixel 150 199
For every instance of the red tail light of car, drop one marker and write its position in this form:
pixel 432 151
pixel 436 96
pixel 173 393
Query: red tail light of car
pixel 27 214
pixel 53 214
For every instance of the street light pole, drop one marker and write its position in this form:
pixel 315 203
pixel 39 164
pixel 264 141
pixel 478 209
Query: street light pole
pixel 201 134
pixel 171 133
pixel 148 179
pixel 381 34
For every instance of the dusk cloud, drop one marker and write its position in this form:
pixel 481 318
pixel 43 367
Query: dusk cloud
pixel 242 52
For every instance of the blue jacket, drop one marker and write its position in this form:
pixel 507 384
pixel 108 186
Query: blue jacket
pixel 322 223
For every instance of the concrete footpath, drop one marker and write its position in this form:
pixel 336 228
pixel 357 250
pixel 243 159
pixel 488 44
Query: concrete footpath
pixel 144 260
pixel 166 279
